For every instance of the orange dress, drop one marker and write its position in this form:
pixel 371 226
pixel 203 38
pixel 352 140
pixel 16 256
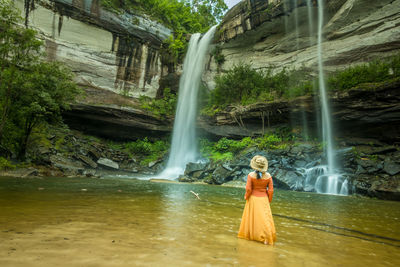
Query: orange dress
pixel 257 222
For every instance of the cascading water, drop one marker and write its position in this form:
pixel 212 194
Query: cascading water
pixel 329 182
pixel 184 143
pixel 310 19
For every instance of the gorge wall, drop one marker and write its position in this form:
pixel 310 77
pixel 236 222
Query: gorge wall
pixel 264 34
pixel 119 53
pixel 279 34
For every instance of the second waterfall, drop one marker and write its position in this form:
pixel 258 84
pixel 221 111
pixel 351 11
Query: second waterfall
pixel 184 141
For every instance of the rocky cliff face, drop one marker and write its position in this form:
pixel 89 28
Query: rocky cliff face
pixel 368 111
pixel 280 34
pixel 107 51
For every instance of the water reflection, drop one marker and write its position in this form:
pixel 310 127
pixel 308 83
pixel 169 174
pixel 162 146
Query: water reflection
pixel 127 222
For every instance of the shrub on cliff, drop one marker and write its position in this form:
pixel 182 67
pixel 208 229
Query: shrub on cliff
pixel 244 85
pixel 163 107
pixel 373 72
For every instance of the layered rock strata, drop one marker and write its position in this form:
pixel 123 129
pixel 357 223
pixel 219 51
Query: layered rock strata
pixel 367 111
pixel 116 123
pixel 115 52
pixel 278 34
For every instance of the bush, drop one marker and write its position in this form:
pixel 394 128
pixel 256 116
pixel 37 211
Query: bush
pixel 244 85
pixel 149 151
pixel 6 164
pixel 269 142
pixel 160 107
pixel 225 149
pixel 376 71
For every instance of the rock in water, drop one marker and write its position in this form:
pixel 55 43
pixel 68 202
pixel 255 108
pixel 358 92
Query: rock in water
pixel 108 163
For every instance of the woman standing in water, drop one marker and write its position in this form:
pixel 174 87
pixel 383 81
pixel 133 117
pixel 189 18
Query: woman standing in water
pixel 257 222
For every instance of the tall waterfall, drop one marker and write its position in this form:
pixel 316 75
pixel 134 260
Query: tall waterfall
pixel 184 143
pixel 330 181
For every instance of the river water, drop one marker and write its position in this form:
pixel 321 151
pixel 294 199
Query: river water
pixel 127 222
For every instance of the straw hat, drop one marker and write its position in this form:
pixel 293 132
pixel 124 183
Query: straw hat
pixel 259 163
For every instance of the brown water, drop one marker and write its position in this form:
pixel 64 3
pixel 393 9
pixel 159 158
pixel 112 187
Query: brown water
pixel 123 222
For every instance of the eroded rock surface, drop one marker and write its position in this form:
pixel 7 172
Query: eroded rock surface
pixel 116 52
pixel 264 34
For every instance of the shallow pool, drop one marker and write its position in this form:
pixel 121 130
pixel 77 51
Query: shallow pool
pixel 126 222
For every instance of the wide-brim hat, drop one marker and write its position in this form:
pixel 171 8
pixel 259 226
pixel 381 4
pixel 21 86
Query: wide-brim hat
pixel 259 163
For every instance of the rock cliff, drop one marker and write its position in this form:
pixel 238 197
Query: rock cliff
pixel 283 34
pixel 107 51
pixel 367 111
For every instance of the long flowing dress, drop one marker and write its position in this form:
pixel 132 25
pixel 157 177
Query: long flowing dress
pixel 257 222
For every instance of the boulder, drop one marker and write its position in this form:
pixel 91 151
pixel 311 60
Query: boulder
pixel 66 165
pixel 391 167
pixel 88 161
pixel 221 175
pixel 108 164
pixel 194 167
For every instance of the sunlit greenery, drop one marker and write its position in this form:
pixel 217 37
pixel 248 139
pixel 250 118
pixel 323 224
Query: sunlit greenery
pixel 225 148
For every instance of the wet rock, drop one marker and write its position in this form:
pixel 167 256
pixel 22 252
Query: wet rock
pixel 221 175
pixel 185 179
pixel 287 179
pixel 194 167
pixel 108 163
pixel 87 161
pixel 391 167
pixel 94 154
pixel 30 172
pixel 66 165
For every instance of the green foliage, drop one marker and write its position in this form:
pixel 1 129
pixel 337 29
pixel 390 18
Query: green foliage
pixel 31 91
pixel 225 149
pixel 6 164
pixel 375 71
pixel 244 85
pixel 187 16
pixel 149 151
pixel 271 141
pixel 160 107
pixel 175 46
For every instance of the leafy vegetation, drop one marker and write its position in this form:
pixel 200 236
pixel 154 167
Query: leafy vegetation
pixel 148 151
pixel 373 72
pixel 225 149
pixel 162 107
pixel 32 92
pixel 187 16
pixel 5 164
pixel 244 85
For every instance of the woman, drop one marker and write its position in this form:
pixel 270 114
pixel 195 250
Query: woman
pixel 257 222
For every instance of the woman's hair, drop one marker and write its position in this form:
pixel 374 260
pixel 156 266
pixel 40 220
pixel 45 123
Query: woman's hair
pixel 259 174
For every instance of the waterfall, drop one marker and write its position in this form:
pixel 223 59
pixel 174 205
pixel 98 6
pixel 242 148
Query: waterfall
pixel 329 182
pixel 184 142
pixel 310 19
pixel 296 21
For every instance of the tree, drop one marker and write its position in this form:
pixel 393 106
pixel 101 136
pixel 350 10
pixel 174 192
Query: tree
pixel 32 91
pixel 19 50
pixel 212 10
